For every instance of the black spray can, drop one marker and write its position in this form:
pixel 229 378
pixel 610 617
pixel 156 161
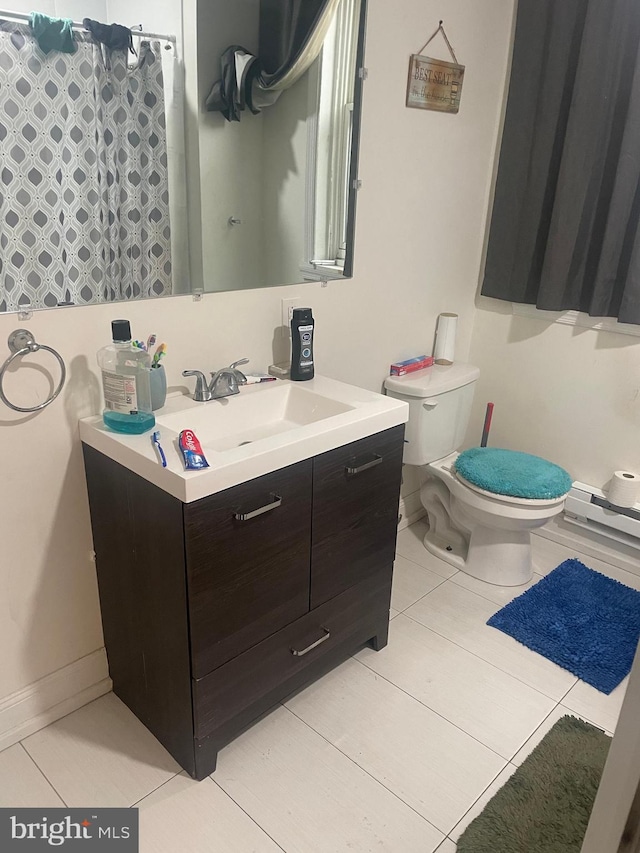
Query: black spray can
pixel 302 344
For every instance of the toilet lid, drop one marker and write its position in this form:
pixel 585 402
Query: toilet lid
pixel 509 472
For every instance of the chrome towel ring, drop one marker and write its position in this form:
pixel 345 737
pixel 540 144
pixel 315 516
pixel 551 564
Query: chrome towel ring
pixel 21 342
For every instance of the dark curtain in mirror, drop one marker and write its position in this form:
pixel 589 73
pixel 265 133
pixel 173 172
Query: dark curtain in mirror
pixel 291 37
pixel 565 232
pixel 286 28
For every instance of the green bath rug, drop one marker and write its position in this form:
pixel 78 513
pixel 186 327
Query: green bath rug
pixel 545 806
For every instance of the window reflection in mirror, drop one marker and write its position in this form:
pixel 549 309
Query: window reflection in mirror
pixel 330 141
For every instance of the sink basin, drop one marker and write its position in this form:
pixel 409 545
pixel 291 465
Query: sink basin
pixel 243 419
pixel 265 427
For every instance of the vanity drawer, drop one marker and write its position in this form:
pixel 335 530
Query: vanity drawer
pixel 253 679
pixel 247 563
pixel 356 489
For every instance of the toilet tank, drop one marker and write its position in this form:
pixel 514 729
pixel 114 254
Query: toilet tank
pixel 439 399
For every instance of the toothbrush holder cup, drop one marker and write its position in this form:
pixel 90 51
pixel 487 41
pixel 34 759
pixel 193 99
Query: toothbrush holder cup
pixel 158 383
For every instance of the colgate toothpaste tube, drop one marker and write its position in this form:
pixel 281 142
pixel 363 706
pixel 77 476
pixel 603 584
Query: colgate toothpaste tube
pixel 191 450
pixel 403 367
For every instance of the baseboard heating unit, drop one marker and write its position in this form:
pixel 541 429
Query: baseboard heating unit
pixel 588 507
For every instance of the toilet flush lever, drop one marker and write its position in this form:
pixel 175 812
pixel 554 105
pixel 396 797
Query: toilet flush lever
pixel 429 404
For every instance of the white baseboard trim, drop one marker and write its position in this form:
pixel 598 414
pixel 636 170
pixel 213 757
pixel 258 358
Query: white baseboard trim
pixel 410 509
pixel 28 710
pixel 590 543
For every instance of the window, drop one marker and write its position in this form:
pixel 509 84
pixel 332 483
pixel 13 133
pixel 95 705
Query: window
pixel 565 228
pixel 330 141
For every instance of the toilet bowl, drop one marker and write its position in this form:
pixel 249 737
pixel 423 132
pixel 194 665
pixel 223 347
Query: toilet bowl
pixel 477 530
pixel 482 533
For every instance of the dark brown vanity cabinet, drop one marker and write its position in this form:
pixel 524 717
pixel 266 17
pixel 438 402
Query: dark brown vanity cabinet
pixel 355 513
pixel 247 578
pixel 214 611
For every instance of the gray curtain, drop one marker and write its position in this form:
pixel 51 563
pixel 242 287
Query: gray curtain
pixel 565 229
pixel 291 34
pixel 84 202
pixel 287 28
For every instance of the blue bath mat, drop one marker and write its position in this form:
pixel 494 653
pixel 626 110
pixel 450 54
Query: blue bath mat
pixel 582 620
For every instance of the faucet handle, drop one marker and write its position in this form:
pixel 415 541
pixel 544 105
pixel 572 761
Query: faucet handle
pixel 236 363
pixel 202 394
pixel 240 377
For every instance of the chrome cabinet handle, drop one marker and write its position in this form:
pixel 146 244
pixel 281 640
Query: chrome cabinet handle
pixel 245 516
pixel 356 469
pixel 323 639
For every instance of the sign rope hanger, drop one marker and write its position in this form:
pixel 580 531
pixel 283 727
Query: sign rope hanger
pixel 434 84
pixel 444 36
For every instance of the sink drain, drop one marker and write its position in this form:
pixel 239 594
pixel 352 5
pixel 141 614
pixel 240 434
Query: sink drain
pixel 242 443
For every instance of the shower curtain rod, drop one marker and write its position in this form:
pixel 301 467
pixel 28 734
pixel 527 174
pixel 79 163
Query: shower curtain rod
pixel 79 26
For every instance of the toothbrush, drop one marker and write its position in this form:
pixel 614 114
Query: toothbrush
pixel 151 342
pixel 155 438
pixel 255 380
pixel 158 354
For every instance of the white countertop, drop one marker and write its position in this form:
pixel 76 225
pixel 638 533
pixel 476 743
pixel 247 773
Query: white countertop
pixel 368 413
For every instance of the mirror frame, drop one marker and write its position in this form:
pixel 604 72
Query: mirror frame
pixel 361 75
pixel 196 289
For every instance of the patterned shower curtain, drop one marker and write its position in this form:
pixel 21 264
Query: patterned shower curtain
pixel 84 200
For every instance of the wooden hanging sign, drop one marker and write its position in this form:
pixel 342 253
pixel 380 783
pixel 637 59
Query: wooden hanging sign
pixel 434 84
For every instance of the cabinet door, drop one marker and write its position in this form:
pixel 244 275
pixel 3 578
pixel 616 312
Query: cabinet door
pixel 247 563
pixel 356 489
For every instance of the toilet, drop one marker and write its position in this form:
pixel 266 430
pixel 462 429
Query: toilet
pixel 472 524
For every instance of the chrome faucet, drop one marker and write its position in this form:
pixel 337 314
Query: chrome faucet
pixel 224 383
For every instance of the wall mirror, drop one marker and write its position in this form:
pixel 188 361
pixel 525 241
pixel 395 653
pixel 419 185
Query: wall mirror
pixel 117 183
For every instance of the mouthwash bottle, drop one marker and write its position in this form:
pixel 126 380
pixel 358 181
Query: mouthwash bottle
pixel 125 383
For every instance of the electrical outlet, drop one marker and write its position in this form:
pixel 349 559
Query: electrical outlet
pixel 287 312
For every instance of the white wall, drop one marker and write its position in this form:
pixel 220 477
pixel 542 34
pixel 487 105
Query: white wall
pixel 230 158
pixel 418 248
pixel 164 17
pixel 74 9
pixel 284 166
pixel 566 393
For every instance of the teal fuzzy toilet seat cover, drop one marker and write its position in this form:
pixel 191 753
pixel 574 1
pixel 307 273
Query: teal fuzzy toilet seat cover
pixel 509 472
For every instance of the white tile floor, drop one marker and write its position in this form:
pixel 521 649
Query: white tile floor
pixel 393 751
